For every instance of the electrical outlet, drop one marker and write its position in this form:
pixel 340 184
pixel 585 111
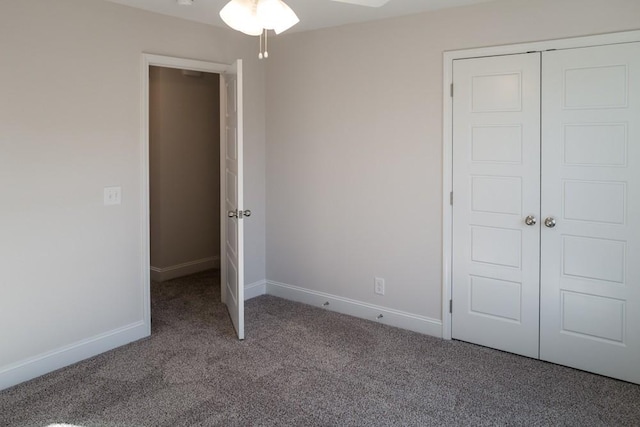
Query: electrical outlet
pixel 378 285
pixel 112 195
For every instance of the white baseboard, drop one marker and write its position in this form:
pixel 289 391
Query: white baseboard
pixel 400 319
pixel 36 366
pixel 184 269
pixel 33 367
pixel 255 289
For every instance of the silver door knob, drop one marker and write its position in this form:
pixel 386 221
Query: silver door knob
pixel 530 220
pixel 238 214
pixel 550 222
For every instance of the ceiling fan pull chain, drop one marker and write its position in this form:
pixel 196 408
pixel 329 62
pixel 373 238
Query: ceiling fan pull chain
pixel 260 53
pixel 266 54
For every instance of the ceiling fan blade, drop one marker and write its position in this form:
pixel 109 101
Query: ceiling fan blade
pixel 369 3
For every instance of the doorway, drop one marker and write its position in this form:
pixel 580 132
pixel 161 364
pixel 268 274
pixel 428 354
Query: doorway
pixel 231 181
pixel 184 172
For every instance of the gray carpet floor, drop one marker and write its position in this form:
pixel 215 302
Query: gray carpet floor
pixel 305 366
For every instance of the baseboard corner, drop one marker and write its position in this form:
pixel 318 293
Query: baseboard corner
pixel 255 289
pixel 161 274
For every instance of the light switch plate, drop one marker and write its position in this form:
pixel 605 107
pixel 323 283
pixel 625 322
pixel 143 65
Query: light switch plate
pixel 112 196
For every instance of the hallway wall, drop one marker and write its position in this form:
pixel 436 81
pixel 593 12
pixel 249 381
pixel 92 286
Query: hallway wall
pixel 184 153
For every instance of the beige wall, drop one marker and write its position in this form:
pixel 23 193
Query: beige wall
pixel 71 275
pixel 354 153
pixel 184 153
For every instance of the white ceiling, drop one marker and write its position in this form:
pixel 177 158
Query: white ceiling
pixel 313 14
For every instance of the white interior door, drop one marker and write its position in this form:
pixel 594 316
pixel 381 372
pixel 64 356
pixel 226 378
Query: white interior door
pixel 232 205
pixel 590 274
pixel 496 185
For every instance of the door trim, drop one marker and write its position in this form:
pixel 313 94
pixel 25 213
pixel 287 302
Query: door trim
pixel 149 60
pixel 447 135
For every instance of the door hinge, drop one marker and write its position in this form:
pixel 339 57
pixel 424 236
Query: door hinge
pixel 450 306
pixel 451 198
pixel 451 90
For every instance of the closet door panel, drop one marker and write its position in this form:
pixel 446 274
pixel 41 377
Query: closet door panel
pixel 590 259
pixel 496 184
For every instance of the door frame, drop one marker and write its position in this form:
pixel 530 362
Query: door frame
pixel 149 60
pixel 447 135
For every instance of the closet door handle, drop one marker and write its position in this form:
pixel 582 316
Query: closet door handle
pixel 530 220
pixel 550 222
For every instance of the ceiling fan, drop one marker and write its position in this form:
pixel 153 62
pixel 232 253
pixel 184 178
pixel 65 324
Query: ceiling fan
pixel 256 17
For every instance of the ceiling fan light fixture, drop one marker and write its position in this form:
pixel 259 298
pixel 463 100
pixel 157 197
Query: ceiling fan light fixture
pixel 276 15
pixel 252 17
pixel 268 12
pixel 256 17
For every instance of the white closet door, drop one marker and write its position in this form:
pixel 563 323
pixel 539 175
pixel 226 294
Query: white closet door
pixel 496 184
pixel 590 274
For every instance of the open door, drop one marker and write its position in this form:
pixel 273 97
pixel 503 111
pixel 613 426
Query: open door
pixel 232 288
